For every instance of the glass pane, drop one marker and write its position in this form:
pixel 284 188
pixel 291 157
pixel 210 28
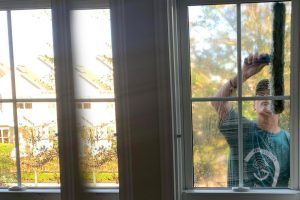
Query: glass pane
pixel 91 41
pixel 39 145
pixel 8 171
pixel 5 76
pixel 215 145
pixel 213 47
pixel 33 53
pixel 266 145
pixel 257 27
pixel 98 145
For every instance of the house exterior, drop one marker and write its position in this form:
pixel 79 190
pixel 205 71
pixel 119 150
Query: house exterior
pixel 91 82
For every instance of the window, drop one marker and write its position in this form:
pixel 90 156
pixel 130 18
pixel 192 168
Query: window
pixel 215 37
pixel 27 78
pixel 24 105
pixel 83 105
pixel 29 95
pixel 5 136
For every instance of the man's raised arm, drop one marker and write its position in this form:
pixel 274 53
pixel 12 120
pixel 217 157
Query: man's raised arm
pixel 251 66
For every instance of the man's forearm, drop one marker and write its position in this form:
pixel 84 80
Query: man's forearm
pixel 223 107
pixel 228 88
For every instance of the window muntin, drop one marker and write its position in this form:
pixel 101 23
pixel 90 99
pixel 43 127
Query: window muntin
pixel 241 42
pixel 94 92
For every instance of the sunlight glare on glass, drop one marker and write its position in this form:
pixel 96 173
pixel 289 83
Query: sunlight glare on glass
pixel 91 40
pixel 5 75
pixel 33 53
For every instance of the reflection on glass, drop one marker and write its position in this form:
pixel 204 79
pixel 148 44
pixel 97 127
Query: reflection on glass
pixel 98 143
pixel 91 41
pixel 256 35
pixel 8 174
pixel 266 145
pixel 33 53
pixel 5 76
pixel 38 144
pixel 211 145
pixel 213 47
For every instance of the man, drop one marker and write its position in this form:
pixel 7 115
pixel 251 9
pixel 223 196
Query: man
pixel 266 145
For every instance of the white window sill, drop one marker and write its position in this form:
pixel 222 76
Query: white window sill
pixel 57 190
pixel 252 191
pixel 256 194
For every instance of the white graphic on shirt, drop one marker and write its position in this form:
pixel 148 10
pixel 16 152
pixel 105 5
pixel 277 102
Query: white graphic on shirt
pixel 265 173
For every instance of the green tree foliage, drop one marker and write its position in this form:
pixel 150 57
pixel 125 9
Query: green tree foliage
pixel 7 165
pixel 213 58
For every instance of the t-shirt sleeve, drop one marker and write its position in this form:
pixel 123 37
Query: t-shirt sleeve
pixel 288 136
pixel 229 127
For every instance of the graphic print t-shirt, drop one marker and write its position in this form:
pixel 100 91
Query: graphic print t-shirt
pixel 266 155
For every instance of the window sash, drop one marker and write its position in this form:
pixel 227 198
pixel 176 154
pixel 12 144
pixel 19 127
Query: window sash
pixel 8 5
pixel 187 99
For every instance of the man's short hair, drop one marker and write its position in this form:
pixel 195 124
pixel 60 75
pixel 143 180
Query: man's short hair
pixel 262 86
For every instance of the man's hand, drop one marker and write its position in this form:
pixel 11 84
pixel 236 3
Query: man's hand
pixel 252 65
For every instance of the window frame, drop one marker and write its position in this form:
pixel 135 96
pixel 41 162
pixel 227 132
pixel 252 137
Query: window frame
pixel 183 116
pixel 61 9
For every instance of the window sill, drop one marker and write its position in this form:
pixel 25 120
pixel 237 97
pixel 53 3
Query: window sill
pixel 57 190
pixel 252 191
pixel 54 194
pixel 257 194
pixel 33 190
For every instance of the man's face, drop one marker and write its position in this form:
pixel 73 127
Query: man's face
pixel 263 107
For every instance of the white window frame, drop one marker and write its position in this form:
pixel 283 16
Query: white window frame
pixel 183 117
pixel 2 138
pixel 70 186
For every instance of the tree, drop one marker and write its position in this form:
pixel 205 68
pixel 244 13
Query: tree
pixel 40 147
pixel 98 147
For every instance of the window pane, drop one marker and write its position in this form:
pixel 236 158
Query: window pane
pixel 5 76
pixel 266 145
pixel 8 174
pixel 257 27
pixel 91 41
pixel 213 47
pixel 39 145
pixel 33 53
pixel 214 146
pixel 98 145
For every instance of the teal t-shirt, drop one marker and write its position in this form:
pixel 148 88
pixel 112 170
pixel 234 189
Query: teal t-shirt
pixel 266 155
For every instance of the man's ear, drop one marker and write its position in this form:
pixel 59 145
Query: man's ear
pixel 254 105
